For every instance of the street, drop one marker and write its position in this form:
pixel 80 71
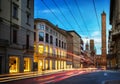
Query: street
pixel 52 78
pixel 71 77
pixel 92 78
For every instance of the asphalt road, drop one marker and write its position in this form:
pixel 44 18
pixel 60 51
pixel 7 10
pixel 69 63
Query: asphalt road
pixel 92 78
pixel 71 77
pixel 47 78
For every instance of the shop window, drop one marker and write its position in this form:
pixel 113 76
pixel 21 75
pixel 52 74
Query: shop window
pixel 34 47
pixel 13 64
pixel 41 49
pixel 46 49
pixel 51 51
pixel 26 64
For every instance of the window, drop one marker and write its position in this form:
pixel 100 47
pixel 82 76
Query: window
pixel 56 42
pixel 27 42
pixel 34 36
pixel 59 43
pixel 34 27
pixel 15 11
pixel 26 64
pixel 51 31
pixel 41 49
pixel 41 26
pixel 28 18
pixel 46 49
pixel 14 36
pixel 47 38
pixel 62 44
pixel 51 51
pixel 56 34
pixel 13 64
pixel 47 29
pixel 41 36
pixel 51 40
pixel 28 3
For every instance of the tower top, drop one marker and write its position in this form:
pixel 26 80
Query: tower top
pixel 103 13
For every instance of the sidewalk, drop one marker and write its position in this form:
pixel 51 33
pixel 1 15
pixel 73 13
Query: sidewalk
pixel 19 76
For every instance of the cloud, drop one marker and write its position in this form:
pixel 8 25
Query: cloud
pixel 48 11
pixel 96 33
pixel 97 40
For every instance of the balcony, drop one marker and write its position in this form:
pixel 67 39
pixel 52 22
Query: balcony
pixel 4 43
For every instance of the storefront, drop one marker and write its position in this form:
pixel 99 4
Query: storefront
pixel 27 64
pixel 13 64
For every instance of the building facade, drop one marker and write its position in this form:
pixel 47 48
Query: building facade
pixel 111 57
pixel 92 51
pixel 16 36
pixel 91 45
pixel 76 49
pixel 114 42
pixel 50 46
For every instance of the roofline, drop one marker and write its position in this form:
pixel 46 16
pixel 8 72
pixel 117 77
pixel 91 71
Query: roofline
pixel 50 24
pixel 74 32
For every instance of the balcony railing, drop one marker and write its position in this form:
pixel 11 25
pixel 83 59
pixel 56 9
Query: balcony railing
pixel 4 43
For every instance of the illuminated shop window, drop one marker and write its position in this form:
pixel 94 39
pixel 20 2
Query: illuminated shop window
pixel 62 53
pixel 41 49
pixel 13 64
pixel 51 51
pixel 34 47
pixel 26 64
pixel 46 64
pixel 40 65
pixel 56 52
pixel 46 49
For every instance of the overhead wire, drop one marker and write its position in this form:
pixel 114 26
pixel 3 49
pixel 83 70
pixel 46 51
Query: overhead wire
pixel 72 15
pixel 62 13
pixel 81 16
pixel 96 13
pixel 52 13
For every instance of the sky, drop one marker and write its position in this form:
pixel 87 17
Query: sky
pixel 83 16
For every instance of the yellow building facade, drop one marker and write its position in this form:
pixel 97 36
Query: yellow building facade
pixel 49 45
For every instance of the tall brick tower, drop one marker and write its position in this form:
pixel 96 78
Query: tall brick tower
pixel 103 19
